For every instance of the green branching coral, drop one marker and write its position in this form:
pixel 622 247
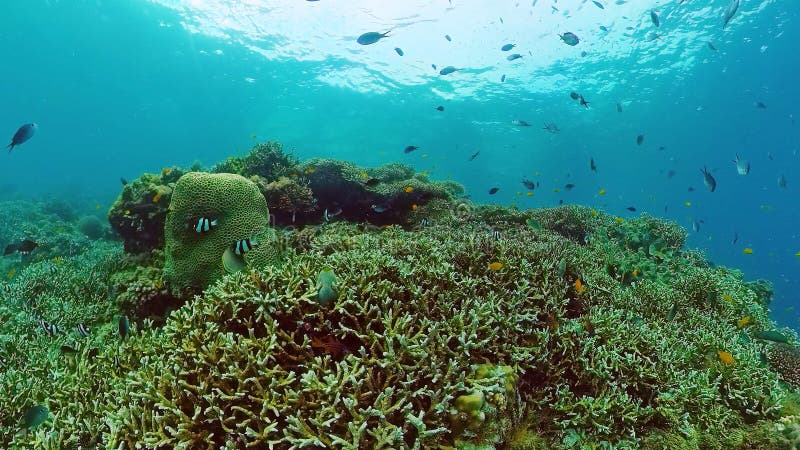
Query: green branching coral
pixel 267 160
pixel 194 259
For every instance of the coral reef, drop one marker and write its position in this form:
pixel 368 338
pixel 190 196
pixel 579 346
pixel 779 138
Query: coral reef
pixel 785 360
pixel 139 213
pixel 194 259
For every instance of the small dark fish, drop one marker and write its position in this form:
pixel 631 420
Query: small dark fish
pixel 513 56
pixel 708 179
pixel 732 8
pixel 501 20
pixel 380 208
pixel 242 246
pixel 568 186
pixel 598 4
pixel 639 139
pixel 583 102
pixel 603 28
pixel 782 182
pixel 592 165
pixel 493 190
pixel 123 181
pixel 204 224
pixel 670 173
pixel 584 53
pixel 574 95
pixel 447 70
pixel 24 133
pixel 474 155
pixel 399 51
pixel 123 326
pixel 520 123
pixel 654 18
pixel 696 225
pixel 440 108
pixel 761 105
pixel 631 209
pixel 551 127
pixel 711 46
pixel 507 47
pixel 570 39
pixel 447 36
pixel 410 149
pixel 82 330
pixel 672 312
pixel 735 238
pixel 561 202
pixel 371 37
pixel 328 215
pixel 434 66
pixel 661 148
pixel 503 78
pixel 24 247
pixel 50 329
pixel 35 416
pixel 372 182
pixel 691 189
pixel 619 107
pixel 529 184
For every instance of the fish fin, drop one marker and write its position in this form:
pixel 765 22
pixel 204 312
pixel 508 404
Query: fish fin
pixel 232 262
pixel 10 147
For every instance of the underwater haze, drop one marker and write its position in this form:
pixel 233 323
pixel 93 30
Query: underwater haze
pixel 120 88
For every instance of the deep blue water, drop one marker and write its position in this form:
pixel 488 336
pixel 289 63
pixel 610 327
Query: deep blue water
pixel 124 87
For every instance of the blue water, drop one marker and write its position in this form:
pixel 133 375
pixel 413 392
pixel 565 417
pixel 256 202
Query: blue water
pixel 119 88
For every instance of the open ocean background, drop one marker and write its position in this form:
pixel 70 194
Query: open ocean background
pixel 119 88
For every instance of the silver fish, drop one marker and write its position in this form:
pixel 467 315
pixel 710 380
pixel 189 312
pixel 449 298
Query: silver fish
pixel 708 179
pixel 24 133
pixel 742 166
pixel 732 8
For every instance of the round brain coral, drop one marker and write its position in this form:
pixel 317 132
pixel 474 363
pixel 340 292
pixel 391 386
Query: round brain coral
pixel 193 259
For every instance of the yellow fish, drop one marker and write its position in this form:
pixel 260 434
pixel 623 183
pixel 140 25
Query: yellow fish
pixel 495 266
pixel 579 286
pixel 797 254
pixel 748 251
pixel 166 171
pixel 293 174
pixel 529 193
pixel 424 155
pixel 310 170
pixel 725 357
pixel 11 273
pixel 594 212
pixel 619 219
pixel 743 322
pixel 519 192
pixel 687 203
pixel 601 192
pixel 127 212
pixel 252 135
pixel 727 298
pixel 556 190
pixel 157 197
pixel 364 175
pixel 635 272
pixel 414 207
pixel 408 189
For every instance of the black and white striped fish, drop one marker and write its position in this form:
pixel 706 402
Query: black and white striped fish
pixel 204 224
pixel 49 328
pixel 424 223
pixel 495 234
pixel 243 246
pixel 82 329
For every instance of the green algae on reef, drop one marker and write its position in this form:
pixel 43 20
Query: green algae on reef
pixel 421 347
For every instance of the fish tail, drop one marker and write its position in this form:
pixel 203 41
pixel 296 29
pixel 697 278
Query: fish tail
pixel 10 147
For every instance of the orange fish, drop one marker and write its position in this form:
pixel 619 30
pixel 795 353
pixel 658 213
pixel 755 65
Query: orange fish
pixel 725 357
pixel 157 197
pixel 414 207
pixel 166 171
pixel 748 251
pixel 579 286
pixel 635 272
pixel 495 266
pixel 743 322
pixel 408 189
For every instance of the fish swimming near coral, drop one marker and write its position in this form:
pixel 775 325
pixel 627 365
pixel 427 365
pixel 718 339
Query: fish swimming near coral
pixel 24 247
pixel 725 357
pixel 708 179
pixel 204 224
pixel 123 326
pixel 579 286
pixel 326 293
pixel 242 246
pixel 493 190
pixel 592 165
pixel 528 184
pixel 35 416
pixel 410 149
pixel 50 329
pixel 22 135
pixel 447 70
pixel 371 37
pixel 495 266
